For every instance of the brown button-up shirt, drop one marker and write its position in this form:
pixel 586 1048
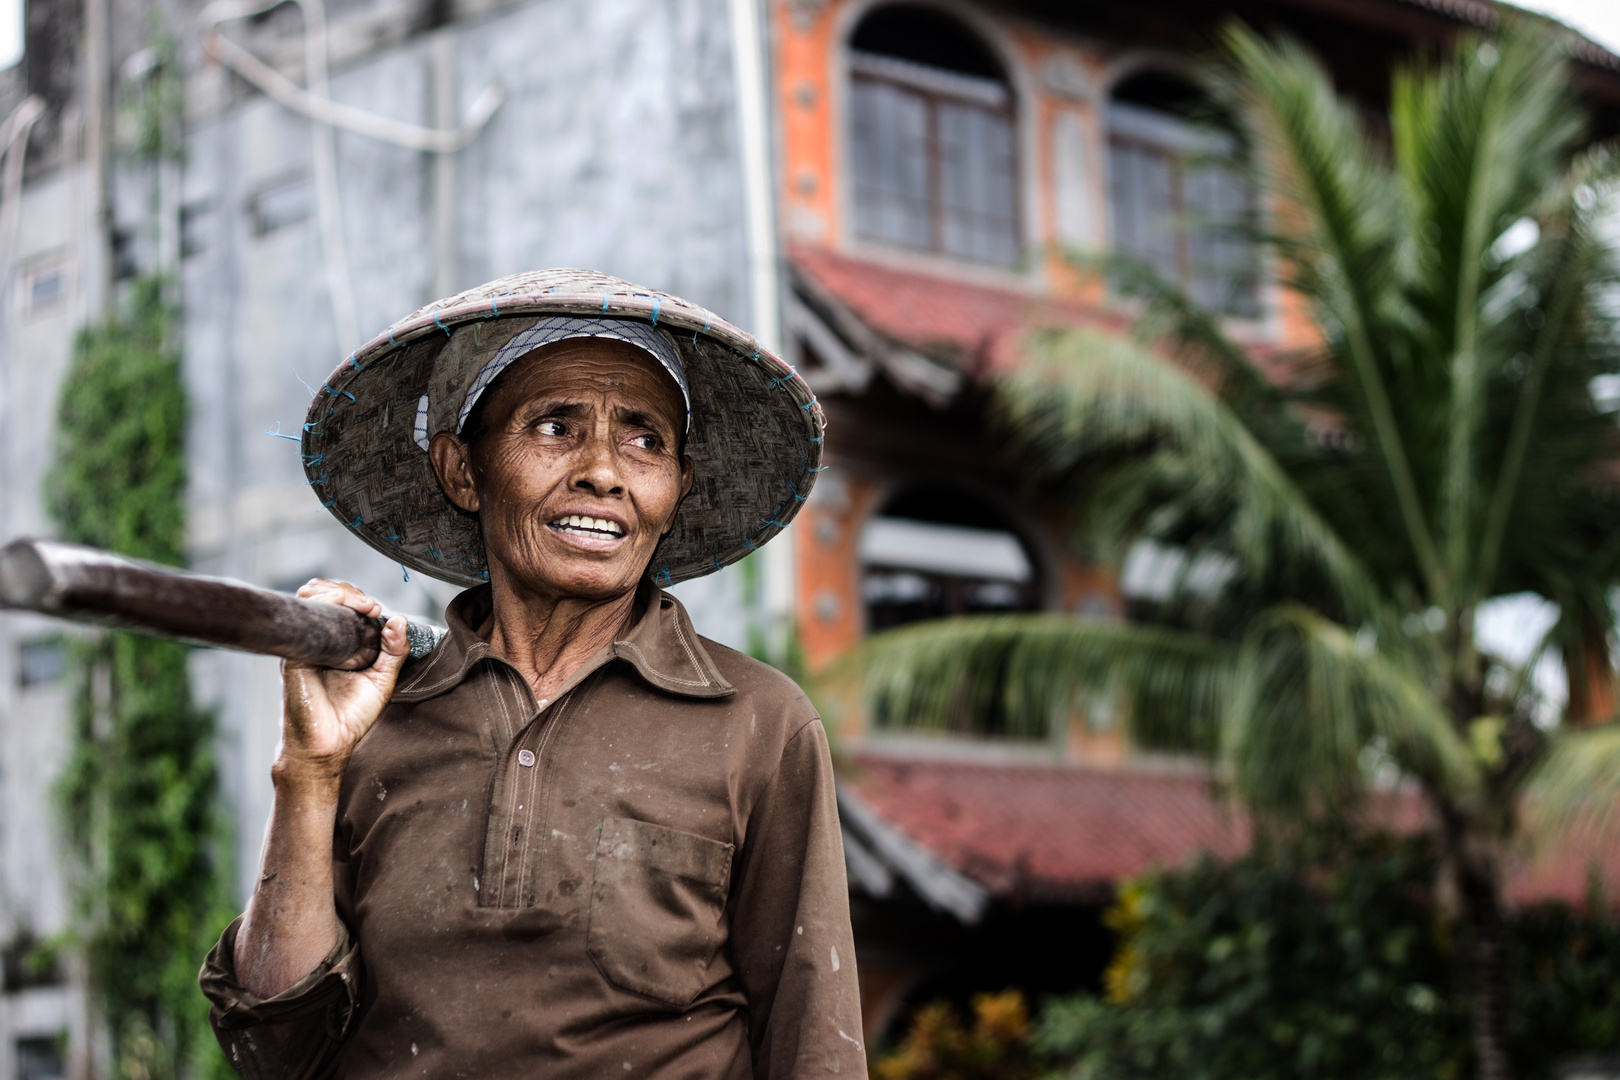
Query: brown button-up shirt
pixel 640 878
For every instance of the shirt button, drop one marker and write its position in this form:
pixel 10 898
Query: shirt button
pixel 525 758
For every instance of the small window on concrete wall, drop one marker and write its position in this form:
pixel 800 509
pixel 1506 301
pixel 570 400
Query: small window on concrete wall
pixel 931 552
pixel 932 147
pixel 1177 200
pixel 40 1058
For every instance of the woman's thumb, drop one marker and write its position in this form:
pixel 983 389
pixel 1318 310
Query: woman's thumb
pixel 395 648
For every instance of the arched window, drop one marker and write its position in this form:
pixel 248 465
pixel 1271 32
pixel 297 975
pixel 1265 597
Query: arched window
pixel 1176 199
pixel 931 137
pixel 933 551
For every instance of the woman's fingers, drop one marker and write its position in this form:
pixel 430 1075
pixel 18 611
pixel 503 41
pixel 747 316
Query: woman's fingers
pixel 341 593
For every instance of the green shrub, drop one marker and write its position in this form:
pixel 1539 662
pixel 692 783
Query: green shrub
pixel 1337 960
pixel 139 796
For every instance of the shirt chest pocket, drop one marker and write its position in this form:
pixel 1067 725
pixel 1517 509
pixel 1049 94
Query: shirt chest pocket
pixel 656 908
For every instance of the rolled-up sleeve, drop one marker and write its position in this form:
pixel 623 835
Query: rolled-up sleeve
pixel 296 1035
pixel 791 939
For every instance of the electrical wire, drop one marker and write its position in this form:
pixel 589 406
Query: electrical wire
pixel 14 145
pixel 314 102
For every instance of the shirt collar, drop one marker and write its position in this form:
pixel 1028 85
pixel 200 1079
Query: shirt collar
pixel 662 646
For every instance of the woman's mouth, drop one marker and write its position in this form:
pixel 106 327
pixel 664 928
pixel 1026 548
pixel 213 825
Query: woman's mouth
pixel 592 528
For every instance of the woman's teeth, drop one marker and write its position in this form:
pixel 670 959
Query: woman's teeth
pixel 587 526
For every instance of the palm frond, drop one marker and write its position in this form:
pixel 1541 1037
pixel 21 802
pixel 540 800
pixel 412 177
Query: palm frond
pixel 1339 231
pixel 1310 697
pixel 1037 669
pixel 1577 784
pixel 1474 144
pixel 1085 392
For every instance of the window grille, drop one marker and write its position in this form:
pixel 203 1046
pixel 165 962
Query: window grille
pixel 1178 203
pixel 935 166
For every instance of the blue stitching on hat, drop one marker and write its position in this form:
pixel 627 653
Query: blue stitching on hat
pixel 395 539
pixel 657 304
pixel 605 298
pixel 439 324
pixel 336 393
pixel 485 573
pixel 667 579
pixel 749 541
pixel 310 460
pixel 277 434
pixel 356 523
pixel 795 489
pixel 433 552
pixel 809 403
pixel 716 562
pixel 391 340
pixel 332 503
pixel 317 481
pixel 354 361
pixel 776 383
pixel 404 571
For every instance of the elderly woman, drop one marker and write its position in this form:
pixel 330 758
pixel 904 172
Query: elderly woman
pixel 577 839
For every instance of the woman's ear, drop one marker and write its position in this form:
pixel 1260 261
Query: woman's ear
pixel 452 462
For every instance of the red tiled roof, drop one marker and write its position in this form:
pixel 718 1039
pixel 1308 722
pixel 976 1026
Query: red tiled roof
pixel 1067 833
pixel 1047 831
pixel 974 327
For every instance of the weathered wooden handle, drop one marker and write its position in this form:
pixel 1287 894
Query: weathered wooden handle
pixel 86 584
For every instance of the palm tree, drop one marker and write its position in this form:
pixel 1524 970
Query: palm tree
pixel 1440 446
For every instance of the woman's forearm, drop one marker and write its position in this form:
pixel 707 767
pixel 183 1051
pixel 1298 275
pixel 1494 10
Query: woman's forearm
pixel 291 922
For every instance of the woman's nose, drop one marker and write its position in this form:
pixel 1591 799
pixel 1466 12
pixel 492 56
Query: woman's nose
pixel 597 470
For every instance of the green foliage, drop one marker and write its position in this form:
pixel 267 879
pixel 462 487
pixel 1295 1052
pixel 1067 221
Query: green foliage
pixel 940 1047
pixel 1274 966
pixel 1333 960
pixel 139 795
pixel 1566 983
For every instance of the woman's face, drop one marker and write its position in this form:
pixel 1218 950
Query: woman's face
pixel 576 472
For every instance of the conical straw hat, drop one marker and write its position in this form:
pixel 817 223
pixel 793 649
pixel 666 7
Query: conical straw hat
pixel 755 438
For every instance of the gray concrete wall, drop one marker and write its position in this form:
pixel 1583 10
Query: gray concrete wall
pixel 616 149
pixel 39 315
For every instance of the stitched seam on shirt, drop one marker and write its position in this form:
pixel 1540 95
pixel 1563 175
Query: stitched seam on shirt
pixel 433 660
pixel 449 680
pixel 506 812
pixel 667 678
pixel 535 818
pixel 530 781
pixel 680 635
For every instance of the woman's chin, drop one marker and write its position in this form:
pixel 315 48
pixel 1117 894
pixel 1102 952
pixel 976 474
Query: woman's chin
pixel 577 578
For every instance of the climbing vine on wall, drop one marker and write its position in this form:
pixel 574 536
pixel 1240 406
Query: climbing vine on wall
pixel 139 795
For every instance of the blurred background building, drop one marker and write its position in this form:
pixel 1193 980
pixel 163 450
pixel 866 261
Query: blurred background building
pixel 885 190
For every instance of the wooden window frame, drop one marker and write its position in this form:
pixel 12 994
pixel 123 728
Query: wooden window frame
pixel 937 88
pixel 1179 151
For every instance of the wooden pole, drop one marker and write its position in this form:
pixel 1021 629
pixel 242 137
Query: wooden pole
pixel 86 584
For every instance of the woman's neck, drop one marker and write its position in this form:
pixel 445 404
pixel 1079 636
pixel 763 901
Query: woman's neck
pixel 548 639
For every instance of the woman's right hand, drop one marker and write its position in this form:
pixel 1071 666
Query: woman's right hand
pixel 326 711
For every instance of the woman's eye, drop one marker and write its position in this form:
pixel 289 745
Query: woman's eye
pixel 646 442
pixel 552 427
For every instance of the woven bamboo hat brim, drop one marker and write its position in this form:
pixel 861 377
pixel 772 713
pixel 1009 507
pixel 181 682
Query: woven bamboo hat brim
pixel 755 438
